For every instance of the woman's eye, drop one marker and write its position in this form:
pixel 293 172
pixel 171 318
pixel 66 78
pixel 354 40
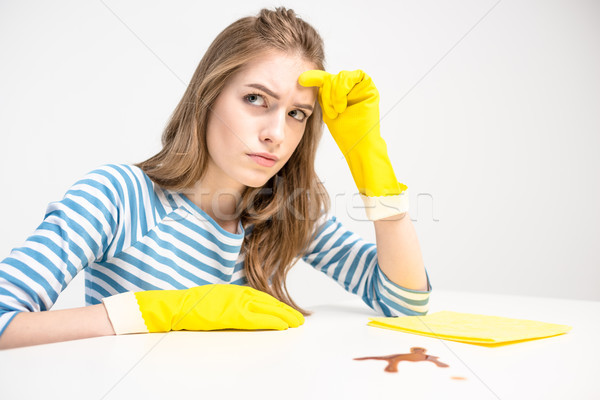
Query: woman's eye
pixel 251 98
pixel 303 115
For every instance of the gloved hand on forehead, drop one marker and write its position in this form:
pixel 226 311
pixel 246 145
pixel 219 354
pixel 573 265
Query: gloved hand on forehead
pixel 201 308
pixel 350 104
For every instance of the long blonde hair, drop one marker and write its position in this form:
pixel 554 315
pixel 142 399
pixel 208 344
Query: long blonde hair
pixel 282 215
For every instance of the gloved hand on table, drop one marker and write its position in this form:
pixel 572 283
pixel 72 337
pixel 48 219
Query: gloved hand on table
pixel 350 104
pixel 201 308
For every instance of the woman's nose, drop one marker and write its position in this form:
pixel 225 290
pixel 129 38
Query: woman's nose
pixel 274 129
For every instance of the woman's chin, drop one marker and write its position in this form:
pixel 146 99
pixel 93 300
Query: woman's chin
pixel 256 183
pixel 257 180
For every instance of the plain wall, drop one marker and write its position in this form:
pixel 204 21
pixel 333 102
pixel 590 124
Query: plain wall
pixel 490 111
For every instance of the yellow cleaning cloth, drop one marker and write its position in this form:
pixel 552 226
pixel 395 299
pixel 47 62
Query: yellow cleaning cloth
pixel 471 328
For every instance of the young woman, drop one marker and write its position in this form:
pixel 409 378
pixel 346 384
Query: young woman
pixel 201 235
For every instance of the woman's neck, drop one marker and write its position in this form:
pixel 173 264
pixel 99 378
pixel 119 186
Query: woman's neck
pixel 220 205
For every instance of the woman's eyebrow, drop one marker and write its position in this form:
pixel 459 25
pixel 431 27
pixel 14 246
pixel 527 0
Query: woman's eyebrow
pixel 272 94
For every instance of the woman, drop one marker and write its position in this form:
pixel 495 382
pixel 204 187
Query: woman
pixel 201 235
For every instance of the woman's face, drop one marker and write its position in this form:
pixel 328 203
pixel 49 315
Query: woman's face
pixel 261 109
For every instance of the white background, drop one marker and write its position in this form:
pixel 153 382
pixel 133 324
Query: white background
pixel 491 115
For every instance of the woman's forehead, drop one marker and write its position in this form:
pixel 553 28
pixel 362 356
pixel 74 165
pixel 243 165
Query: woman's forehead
pixel 272 70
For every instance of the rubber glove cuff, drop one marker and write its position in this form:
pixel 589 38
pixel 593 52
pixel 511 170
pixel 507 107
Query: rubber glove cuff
pixel 124 313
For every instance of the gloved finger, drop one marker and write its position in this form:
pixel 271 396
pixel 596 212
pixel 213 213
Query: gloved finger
pixel 339 92
pixel 294 312
pixel 291 315
pixel 313 77
pixel 344 83
pixel 281 311
pixel 265 298
pixel 326 100
pixel 268 299
pixel 266 321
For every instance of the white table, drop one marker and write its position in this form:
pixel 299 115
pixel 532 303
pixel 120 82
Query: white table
pixel 315 361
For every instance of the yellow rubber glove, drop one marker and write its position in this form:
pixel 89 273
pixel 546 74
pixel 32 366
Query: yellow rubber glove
pixel 350 104
pixel 201 308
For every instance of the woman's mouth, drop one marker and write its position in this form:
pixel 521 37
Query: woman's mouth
pixel 265 162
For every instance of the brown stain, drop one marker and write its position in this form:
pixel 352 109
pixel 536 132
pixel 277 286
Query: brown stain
pixel 416 354
pixel 458 378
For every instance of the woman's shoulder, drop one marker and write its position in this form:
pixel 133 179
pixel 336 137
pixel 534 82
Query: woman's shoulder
pixel 119 174
pixel 120 179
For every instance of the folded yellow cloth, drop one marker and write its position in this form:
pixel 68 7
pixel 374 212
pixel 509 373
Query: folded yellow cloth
pixel 478 329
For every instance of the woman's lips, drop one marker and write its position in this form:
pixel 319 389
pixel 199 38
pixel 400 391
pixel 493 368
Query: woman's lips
pixel 265 162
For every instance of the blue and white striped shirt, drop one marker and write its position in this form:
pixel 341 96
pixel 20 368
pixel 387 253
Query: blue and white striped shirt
pixel 129 234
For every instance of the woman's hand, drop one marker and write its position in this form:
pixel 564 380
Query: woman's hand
pixel 350 104
pixel 201 308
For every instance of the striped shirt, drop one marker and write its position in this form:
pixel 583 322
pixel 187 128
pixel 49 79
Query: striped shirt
pixel 129 234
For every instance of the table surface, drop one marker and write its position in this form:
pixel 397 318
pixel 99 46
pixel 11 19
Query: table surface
pixel 316 359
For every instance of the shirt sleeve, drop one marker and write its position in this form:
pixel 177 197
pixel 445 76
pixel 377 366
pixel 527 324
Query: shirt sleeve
pixel 352 262
pixel 75 231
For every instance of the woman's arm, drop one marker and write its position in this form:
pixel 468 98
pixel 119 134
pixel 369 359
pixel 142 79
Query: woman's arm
pixel 31 328
pixel 75 231
pixel 350 104
pixel 353 263
pixel 398 252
